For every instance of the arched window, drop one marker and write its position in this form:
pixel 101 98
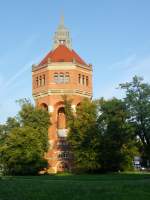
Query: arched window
pixel 43 80
pixel 83 80
pixel 40 83
pixel 37 81
pixel 61 78
pixel 56 78
pixel 67 77
pixel 44 106
pixel 78 106
pixel 87 80
pixel 79 78
pixel 62 167
pixel 61 119
pixel 63 154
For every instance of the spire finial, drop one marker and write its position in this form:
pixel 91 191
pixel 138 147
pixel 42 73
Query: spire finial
pixel 62 19
pixel 62 35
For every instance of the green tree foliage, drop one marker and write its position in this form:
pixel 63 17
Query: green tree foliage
pixel 138 103
pixel 68 109
pixel 6 128
pixel 100 136
pixel 22 150
pixel 117 147
pixel 84 137
pixel 36 118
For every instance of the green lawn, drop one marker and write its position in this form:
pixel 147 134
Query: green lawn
pixel 88 187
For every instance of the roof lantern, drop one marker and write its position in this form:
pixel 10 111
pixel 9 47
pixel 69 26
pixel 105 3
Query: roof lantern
pixel 62 35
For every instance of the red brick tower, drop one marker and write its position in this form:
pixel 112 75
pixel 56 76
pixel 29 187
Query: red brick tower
pixel 61 72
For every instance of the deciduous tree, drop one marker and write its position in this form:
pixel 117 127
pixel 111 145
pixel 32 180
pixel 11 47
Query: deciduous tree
pixel 117 147
pixel 26 140
pixel 84 137
pixel 137 100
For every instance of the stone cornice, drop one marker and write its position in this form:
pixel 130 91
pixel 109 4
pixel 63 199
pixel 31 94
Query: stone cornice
pixel 62 92
pixel 61 65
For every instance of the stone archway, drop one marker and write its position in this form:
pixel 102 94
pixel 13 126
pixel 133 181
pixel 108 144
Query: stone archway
pixel 44 106
pixel 61 118
pixel 61 122
pixel 78 106
pixel 62 167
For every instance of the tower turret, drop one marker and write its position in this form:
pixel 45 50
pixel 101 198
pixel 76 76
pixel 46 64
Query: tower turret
pixel 62 35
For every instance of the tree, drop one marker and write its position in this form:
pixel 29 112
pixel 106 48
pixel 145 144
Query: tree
pixel 68 109
pixel 84 137
pixel 138 103
pixel 100 136
pixel 7 127
pixel 36 118
pixel 117 147
pixel 22 150
pixel 22 153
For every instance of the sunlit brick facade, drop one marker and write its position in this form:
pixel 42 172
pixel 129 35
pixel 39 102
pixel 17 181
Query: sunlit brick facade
pixel 61 72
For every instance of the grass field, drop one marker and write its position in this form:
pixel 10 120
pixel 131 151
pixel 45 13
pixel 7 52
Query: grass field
pixel 88 187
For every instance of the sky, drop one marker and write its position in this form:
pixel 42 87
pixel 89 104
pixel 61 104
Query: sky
pixel 112 35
